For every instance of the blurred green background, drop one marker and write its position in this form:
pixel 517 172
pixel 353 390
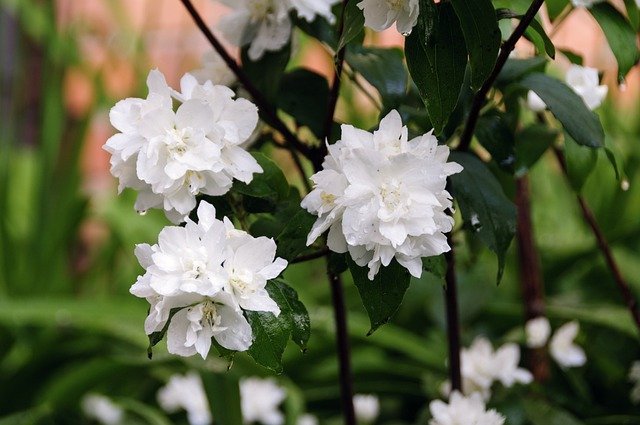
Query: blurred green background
pixel 69 327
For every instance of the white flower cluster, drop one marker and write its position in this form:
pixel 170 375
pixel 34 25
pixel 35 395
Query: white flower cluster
pixel 186 392
pixel 481 366
pixel 381 14
pixel 562 348
pixel 584 81
pixel 265 25
pixel 211 272
pixel 102 409
pixel 260 399
pixel 383 196
pixel 170 156
pixel 463 410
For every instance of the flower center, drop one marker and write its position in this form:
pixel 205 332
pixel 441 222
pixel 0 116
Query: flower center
pixel 395 4
pixel 241 283
pixel 259 9
pixel 198 269
pixel 328 199
pixel 391 194
pixel 210 315
pixel 177 141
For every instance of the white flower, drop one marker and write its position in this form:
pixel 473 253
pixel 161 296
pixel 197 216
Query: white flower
pixel 584 3
pixel 634 377
pixel 534 102
pixel 366 407
pixel 260 399
pixel 172 156
pixel 383 196
pixel 538 331
pixel 307 419
pixel 582 80
pixel 463 411
pixel 102 409
pixel 205 274
pixel 263 24
pixel 381 14
pixel 562 348
pixel 186 392
pixel 586 83
pixel 308 9
pixel 214 69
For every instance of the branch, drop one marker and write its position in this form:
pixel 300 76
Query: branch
pixel 335 88
pixel 479 98
pixel 453 322
pixel 263 104
pixel 342 341
pixel 530 274
pixel 605 248
pixel 312 256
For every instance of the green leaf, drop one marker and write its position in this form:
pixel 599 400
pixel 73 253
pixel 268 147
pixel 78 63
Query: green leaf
pixel 495 136
pixel 555 7
pixel 540 412
pixel 515 69
pixel 620 35
pixel 383 295
pixel 300 96
pixel 482 36
pixel 266 72
pixel 223 393
pixel 150 414
pixel 270 336
pixel 436 265
pixel 293 239
pixel 292 308
pixel 437 60
pixel 569 108
pixel 633 13
pixel 615 158
pixel 581 161
pixel 547 44
pixel 573 57
pixel 531 143
pixel 484 206
pixel 384 69
pixel 353 24
pixel 271 184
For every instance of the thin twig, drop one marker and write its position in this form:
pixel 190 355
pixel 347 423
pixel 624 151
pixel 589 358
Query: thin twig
pixel 507 48
pixel 605 248
pixel 453 321
pixel 354 79
pixel 263 104
pixel 530 275
pixel 312 256
pixel 344 354
pixel 335 88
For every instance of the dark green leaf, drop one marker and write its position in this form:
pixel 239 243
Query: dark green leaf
pixel 620 35
pixel 581 161
pixel 437 59
pixel 555 7
pixel 531 143
pixel 435 265
pixel 267 72
pixel 547 44
pixel 482 36
pixel 615 158
pixel 633 13
pixel 293 239
pixel 271 184
pixel 353 24
pixel 540 412
pixel 301 93
pixel 496 137
pixel 383 68
pixel 573 57
pixel 484 206
pixel 270 336
pixel 292 309
pixel 383 295
pixel 515 69
pixel 569 108
pixel 223 393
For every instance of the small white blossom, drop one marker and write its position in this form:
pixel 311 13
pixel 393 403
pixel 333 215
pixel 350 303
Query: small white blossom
pixel 186 392
pixel 382 196
pixel 582 80
pixel 309 9
pixel 102 409
pixel 381 14
pixel 584 3
pixel 563 349
pixel 214 69
pixel 537 331
pixel 170 156
pixel 366 407
pixel 634 377
pixel 463 411
pixel 307 419
pixel 260 399
pixel 206 273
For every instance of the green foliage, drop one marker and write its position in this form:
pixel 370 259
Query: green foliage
pixel 267 72
pixel 581 161
pixel 299 93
